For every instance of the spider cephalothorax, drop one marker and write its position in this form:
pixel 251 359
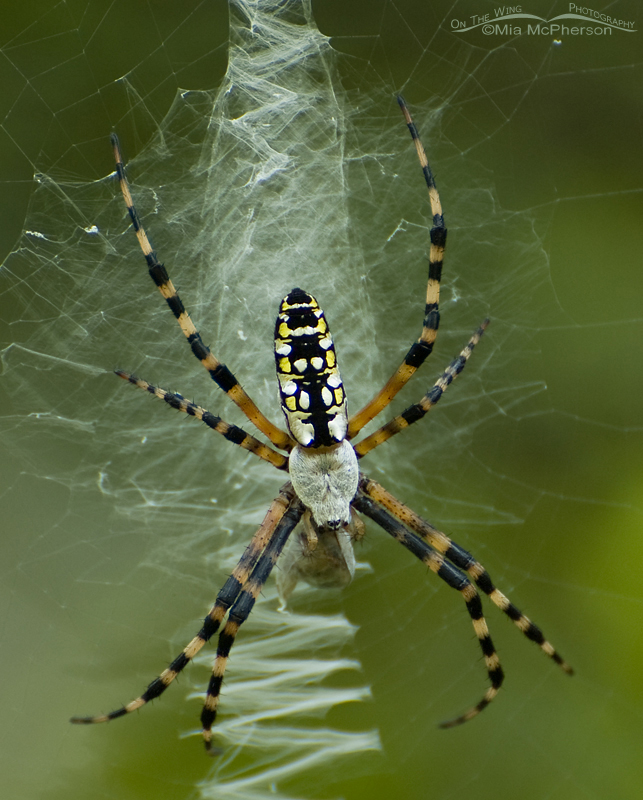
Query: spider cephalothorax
pixel 326 489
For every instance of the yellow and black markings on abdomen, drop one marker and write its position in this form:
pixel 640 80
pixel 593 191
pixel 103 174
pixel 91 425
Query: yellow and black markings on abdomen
pixel 312 394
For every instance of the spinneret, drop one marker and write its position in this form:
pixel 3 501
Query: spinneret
pixel 312 395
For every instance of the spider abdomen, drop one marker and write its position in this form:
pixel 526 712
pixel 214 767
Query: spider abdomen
pixel 310 386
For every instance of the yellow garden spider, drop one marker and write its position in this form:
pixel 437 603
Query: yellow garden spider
pixel 325 489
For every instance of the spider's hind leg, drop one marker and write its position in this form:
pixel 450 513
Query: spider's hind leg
pixel 218 371
pixel 422 348
pixel 417 411
pixel 233 433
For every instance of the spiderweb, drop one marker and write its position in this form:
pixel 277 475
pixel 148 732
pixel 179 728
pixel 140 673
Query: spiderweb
pixel 264 155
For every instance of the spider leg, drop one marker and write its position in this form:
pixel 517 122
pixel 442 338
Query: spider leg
pixel 231 590
pixel 219 373
pixel 241 609
pixel 232 433
pixel 421 349
pixel 456 580
pixel 463 560
pixel 418 410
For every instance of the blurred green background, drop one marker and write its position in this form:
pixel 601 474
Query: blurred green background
pixel 535 462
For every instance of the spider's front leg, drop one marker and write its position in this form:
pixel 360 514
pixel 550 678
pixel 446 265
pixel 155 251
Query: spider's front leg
pixel 436 550
pixel 277 520
pixel 240 611
pixel 437 563
pixel 463 560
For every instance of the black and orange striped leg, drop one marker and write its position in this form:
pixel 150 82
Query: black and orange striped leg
pixel 462 559
pixel 421 349
pixel 231 590
pixel 232 433
pixel 437 563
pixel 239 614
pixel 219 373
pixel 418 410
